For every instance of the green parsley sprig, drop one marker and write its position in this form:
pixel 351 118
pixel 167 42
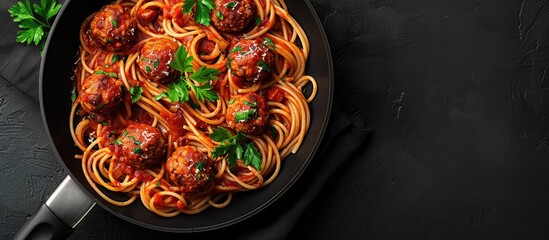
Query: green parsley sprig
pixel 178 91
pixel 202 12
pixel 34 21
pixel 136 92
pixel 234 148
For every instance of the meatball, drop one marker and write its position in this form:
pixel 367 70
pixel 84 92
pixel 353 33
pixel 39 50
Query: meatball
pixel 113 28
pixel 190 169
pixel 155 57
pixel 251 59
pixel 248 113
pixel 141 145
pixel 233 15
pixel 101 92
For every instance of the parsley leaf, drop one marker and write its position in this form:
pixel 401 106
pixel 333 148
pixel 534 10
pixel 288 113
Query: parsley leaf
pixel 245 115
pixel 182 61
pixel 252 156
pixel 136 93
pixel 32 27
pixel 202 12
pixel 232 147
pixel 269 43
pixel 199 166
pixel 179 90
pixel 231 5
pixel 204 74
pixel 219 15
pixel 236 49
pixel 263 66
pixel 205 92
pixel 110 74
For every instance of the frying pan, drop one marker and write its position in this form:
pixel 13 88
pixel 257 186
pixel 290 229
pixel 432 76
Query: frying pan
pixel 74 197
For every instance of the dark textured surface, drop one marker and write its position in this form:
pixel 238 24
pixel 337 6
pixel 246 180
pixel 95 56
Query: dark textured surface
pixel 456 93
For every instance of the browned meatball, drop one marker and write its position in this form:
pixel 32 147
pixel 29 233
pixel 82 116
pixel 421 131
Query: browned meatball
pixel 113 28
pixel 190 169
pixel 101 92
pixel 233 15
pixel 248 113
pixel 156 54
pixel 251 59
pixel 141 145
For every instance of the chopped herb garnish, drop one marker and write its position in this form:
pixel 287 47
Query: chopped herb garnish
pixel 242 116
pixel 146 60
pixel 243 53
pixel 219 15
pixel 231 147
pixel 106 123
pixel 199 166
pixel 257 21
pixel 155 65
pixel 228 64
pixel 114 23
pixel 231 5
pixel 73 95
pixel 92 116
pixel 160 96
pixel 158 184
pixel 134 140
pixel 263 66
pixel 110 74
pixel 116 141
pixel 269 43
pixel 251 104
pixel 101 105
pixel 148 68
pixel 114 58
pixel 125 133
pixel 236 49
pixel 136 91
pixel 231 101
pixel 137 150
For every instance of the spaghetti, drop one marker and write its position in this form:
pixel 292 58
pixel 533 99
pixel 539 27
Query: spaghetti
pixel 181 113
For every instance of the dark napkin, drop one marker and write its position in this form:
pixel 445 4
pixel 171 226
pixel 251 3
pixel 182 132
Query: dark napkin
pixel 19 65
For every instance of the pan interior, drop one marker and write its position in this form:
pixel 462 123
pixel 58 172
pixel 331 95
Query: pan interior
pixel 56 86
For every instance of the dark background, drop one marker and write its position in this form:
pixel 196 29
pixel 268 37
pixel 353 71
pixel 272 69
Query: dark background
pixel 456 93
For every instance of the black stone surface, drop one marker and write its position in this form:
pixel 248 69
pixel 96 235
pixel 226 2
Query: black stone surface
pixel 456 93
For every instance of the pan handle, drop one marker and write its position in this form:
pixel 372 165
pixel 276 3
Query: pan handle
pixel 57 218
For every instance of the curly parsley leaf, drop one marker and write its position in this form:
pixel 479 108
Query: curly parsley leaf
pixel 182 61
pixel 204 74
pixel 233 148
pixel 252 156
pixel 33 27
pixel 202 12
pixel 205 92
pixel 179 90
pixel 136 93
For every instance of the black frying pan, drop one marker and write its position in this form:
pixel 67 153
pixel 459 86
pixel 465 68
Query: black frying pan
pixel 60 217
